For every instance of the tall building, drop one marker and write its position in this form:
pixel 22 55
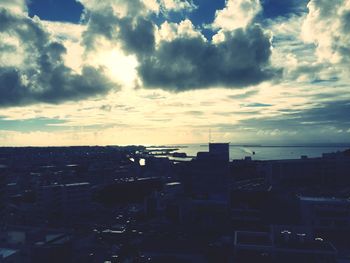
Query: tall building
pixel 220 151
pixel 207 174
pixel 205 181
pixel 2 193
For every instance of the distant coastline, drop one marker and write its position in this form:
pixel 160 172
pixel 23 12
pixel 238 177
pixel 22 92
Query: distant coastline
pixel 259 151
pixel 291 146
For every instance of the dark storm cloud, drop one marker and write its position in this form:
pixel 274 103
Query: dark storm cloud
pixel 323 122
pixel 136 34
pixel 134 31
pixel 56 86
pixel 187 63
pixel 100 24
pixel 334 114
pixel 43 77
pixel 193 63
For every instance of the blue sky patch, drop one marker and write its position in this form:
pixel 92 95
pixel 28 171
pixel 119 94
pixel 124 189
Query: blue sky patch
pixel 56 10
pixel 29 125
pixel 275 8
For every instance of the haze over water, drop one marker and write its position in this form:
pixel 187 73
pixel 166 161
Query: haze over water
pixel 269 152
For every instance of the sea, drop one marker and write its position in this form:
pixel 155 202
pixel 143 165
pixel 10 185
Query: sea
pixel 268 152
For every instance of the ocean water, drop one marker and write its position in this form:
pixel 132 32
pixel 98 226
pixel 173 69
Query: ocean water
pixel 269 152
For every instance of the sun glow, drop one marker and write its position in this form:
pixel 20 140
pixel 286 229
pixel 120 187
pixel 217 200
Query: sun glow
pixel 120 67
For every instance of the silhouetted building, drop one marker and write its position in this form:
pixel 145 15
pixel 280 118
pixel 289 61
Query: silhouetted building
pixel 207 175
pixel 325 212
pixel 3 196
pixel 249 203
pixel 219 151
pixel 63 202
pixel 330 170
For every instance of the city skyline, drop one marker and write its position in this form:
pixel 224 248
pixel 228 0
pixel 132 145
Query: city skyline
pixel 91 72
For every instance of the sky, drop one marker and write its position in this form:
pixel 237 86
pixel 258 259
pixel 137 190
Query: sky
pixel 121 72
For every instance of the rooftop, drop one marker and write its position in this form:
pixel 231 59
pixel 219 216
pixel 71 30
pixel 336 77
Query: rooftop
pixel 5 252
pixel 294 241
pixel 78 184
pixel 253 238
pixel 324 199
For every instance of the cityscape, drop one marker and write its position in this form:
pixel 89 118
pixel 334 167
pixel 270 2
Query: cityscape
pixel 154 204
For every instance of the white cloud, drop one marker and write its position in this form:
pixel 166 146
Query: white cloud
pixel 64 30
pixel 166 6
pixel 236 14
pixel 70 35
pixel 12 51
pixel 170 31
pixel 15 6
pixel 123 8
pixel 120 8
pixel 152 5
pixel 177 5
pixel 327 26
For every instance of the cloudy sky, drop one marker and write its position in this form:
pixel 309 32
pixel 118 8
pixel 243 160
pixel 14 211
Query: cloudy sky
pixel 87 72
